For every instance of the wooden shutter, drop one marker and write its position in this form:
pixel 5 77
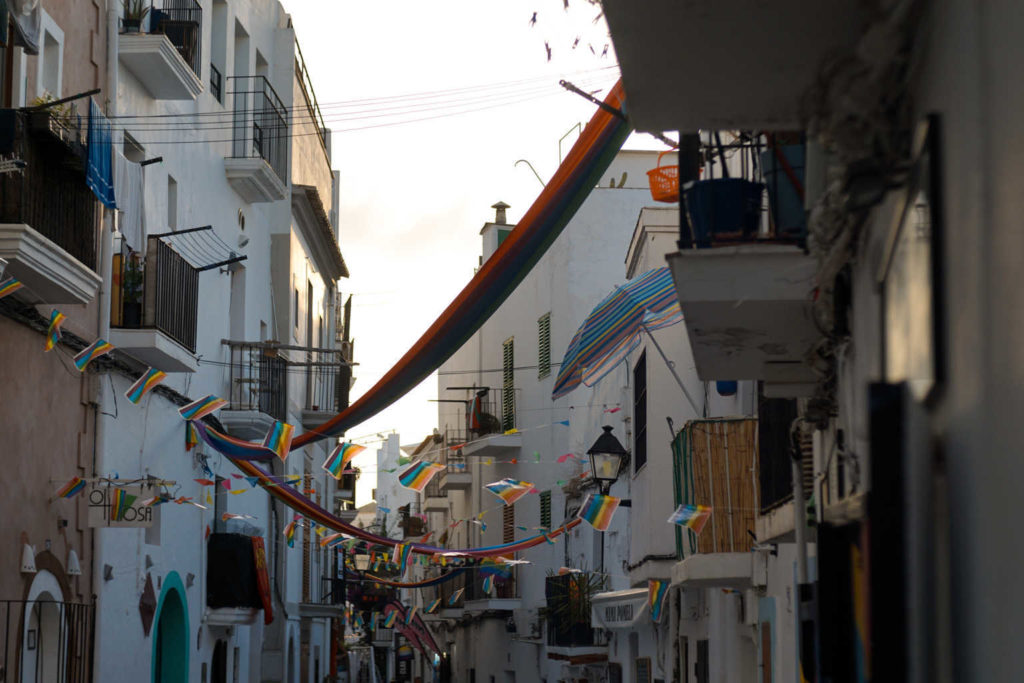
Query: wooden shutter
pixel 508 396
pixel 508 524
pixel 545 509
pixel 544 346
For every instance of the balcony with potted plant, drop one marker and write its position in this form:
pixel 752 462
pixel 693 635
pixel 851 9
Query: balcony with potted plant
pixel 161 47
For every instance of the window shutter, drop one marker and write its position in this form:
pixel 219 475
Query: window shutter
pixel 508 520
pixel 508 396
pixel 545 509
pixel 544 346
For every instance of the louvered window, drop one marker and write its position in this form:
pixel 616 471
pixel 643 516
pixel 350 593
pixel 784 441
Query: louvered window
pixel 545 509
pixel 508 524
pixel 508 395
pixel 544 346
pixel 640 413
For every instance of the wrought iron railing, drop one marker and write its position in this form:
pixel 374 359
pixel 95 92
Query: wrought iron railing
pixel 568 611
pixel 216 83
pixel 260 123
pixel 327 378
pixel 158 291
pixel 312 106
pixel 504 588
pixel 182 22
pixel 332 591
pixel 46 640
pixel 259 379
pixel 49 194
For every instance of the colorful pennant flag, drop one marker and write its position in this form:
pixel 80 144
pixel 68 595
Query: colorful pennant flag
pixel 279 438
pixel 329 540
pixel 488 584
pixel 410 614
pixel 567 456
pixel 509 490
pixel 144 384
pixel 389 620
pixel 200 408
pixel 72 488
pixel 340 457
pixel 432 607
pixel 92 352
pixel 53 332
pixel 289 532
pixel 455 597
pixel 598 510
pixel 693 517
pixel 401 557
pixel 419 475
pixel 656 592
pixel 9 286
pixel 120 503
pixel 205 482
pixel 231 515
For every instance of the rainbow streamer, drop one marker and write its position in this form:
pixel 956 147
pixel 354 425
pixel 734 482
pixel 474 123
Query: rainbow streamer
pixel 340 457
pixel 53 333
pixel 91 352
pixel 419 475
pixel 120 503
pixel 432 607
pixel 401 556
pixel 488 584
pixel 656 592
pixel 389 620
pixel 492 567
pixel 279 438
pixel 9 286
pixel 455 597
pixel 693 517
pixel 191 436
pixel 598 510
pixel 509 490
pixel 197 410
pixel 289 532
pixel 144 384
pixel 238 449
pixel 410 614
pixel 358 622
pixel 72 488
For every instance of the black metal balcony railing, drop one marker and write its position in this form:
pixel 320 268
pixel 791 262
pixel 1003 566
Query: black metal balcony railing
pixel 332 591
pixel 231 575
pixel 504 588
pixel 260 123
pixel 160 291
pixel 259 379
pixel 328 377
pixel 46 640
pixel 216 83
pixel 568 611
pixel 49 194
pixel 433 488
pixel 312 106
pixel 182 22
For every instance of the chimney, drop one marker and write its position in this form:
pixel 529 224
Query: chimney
pixel 494 234
pixel 499 213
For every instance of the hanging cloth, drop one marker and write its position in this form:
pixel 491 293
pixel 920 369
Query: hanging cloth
pixel 99 175
pixel 128 194
pixel 27 25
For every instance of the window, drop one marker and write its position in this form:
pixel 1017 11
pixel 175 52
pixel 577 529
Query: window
pixel 172 203
pixel 545 509
pixel 508 524
pixel 219 505
pixel 50 61
pixel 640 413
pixel 295 308
pixel 218 48
pixel 642 670
pixel 544 346
pixel 508 392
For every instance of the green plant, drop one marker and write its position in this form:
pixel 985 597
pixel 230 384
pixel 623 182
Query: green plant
pixel 61 112
pixel 569 598
pixel 135 10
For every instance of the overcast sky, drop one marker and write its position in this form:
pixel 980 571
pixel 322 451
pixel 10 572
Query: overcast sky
pixel 414 196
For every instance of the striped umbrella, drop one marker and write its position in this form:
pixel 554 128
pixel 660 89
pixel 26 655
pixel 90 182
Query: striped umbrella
pixel 613 328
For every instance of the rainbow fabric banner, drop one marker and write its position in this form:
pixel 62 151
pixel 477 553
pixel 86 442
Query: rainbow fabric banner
pixel 120 503
pixel 53 333
pixel 143 385
pixel 410 614
pixel 455 597
pixel 197 410
pixel 340 457
pixel 191 436
pixel 598 510
pixel 494 567
pixel 92 352
pixel 401 557
pixel 432 607
pixel 488 584
pixel 389 620
pixel 279 439
pixel 656 592
pixel 289 532
pixel 238 449
pixel 419 475
pixel 693 517
pixel 509 490
pixel 72 488
pixel 9 286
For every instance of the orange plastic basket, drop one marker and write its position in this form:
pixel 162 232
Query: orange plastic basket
pixel 664 181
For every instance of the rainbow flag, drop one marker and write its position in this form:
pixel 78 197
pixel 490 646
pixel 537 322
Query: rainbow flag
pixel 289 532
pixel 279 438
pixel 598 510
pixel 455 597
pixel 419 475
pixel 693 517
pixel 330 540
pixel 410 614
pixel 492 567
pixel 340 457
pixel 9 286
pixel 656 592
pixel 53 333
pixel 72 488
pixel 92 352
pixel 432 607
pixel 191 436
pixel 509 490
pixel 389 620
pixel 488 584
pixel 196 410
pixel 120 503
pixel 402 553
pixel 358 622
pixel 144 384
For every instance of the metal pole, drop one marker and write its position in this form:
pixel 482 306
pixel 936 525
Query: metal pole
pixel 672 369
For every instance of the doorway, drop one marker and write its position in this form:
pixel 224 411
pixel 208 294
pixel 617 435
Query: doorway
pixel 170 639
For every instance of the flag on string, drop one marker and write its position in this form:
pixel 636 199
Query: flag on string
pixel 419 475
pixel 72 488
pixel 693 517
pixel 389 620
pixel 53 332
pixel 410 614
pixel 279 438
pixel 9 286
pixel 327 540
pixel 490 566
pixel 567 456
pixel 598 510
pixel 120 503
pixel 200 408
pixel 144 384
pixel 563 422
pixel 191 436
pixel 156 500
pixel 488 584
pixel 205 482
pixel 92 352
pixel 340 457
pixel 289 532
pixel 509 490
pixel 358 620
pixel 656 592
pixel 402 553
pixel 455 597
pixel 432 607
pixel 231 515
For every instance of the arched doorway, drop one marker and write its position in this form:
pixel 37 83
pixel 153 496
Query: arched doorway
pixel 170 635
pixel 219 664
pixel 42 636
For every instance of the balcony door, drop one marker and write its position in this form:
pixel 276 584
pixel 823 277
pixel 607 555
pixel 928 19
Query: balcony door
pixel 309 344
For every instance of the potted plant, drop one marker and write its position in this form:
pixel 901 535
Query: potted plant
pixel 131 292
pixel 134 12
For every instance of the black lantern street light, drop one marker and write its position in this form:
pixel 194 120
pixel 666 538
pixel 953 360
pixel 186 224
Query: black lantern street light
pixel 606 459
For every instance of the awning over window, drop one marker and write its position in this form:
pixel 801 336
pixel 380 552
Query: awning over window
pixel 619 609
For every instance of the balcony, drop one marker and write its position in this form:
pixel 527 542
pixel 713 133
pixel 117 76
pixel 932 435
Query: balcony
pixel 504 596
pixel 570 636
pixel 328 378
pixel 776 519
pixel 167 61
pixel 456 476
pixel 487 416
pixel 48 221
pixel 232 587
pixel 763 59
pixel 154 305
pixel 716 570
pixel 410 523
pixel 326 598
pixel 434 499
pixel 258 166
pixel 258 393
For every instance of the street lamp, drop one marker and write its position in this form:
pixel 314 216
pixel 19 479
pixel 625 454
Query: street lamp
pixel 362 562
pixel 606 459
